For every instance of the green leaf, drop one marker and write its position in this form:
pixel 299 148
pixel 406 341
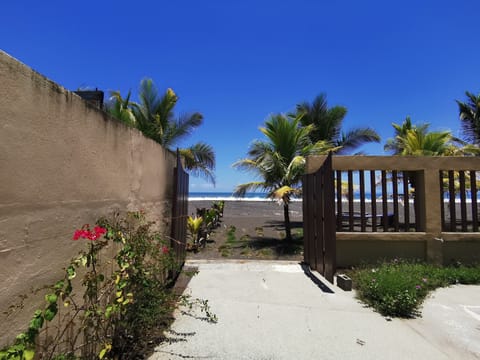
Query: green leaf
pixel 102 353
pixel 28 354
pixel 59 285
pixel 127 301
pixel 21 337
pixel 51 298
pixel 37 322
pixel 108 311
pixel 50 312
pixel 71 273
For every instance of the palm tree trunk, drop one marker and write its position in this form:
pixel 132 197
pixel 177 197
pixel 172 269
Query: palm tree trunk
pixel 288 230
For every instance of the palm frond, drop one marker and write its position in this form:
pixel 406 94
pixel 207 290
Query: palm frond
pixel 178 129
pixel 469 113
pixel 242 189
pixel 200 160
pixel 355 138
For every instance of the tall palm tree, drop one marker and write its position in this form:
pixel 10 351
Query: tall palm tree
pixel 154 116
pixel 469 112
pixel 279 162
pixel 327 125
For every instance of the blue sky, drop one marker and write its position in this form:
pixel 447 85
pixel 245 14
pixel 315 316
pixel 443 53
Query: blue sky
pixel 237 62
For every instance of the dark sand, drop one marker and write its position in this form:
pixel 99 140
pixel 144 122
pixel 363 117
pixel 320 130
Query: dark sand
pixel 259 231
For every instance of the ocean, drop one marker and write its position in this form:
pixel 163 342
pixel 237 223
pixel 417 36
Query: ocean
pixel 258 196
pixel 226 196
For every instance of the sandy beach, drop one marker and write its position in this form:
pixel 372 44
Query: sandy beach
pixel 258 231
pixel 258 228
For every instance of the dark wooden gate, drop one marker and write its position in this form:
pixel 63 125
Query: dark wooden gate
pixel 179 213
pixel 319 220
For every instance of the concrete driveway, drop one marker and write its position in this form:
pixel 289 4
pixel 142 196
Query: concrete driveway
pixel 274 310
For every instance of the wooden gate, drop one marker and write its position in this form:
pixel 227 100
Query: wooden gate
pixel 179 213
pixel 319 220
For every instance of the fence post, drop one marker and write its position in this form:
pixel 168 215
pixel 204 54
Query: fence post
pixel 430 208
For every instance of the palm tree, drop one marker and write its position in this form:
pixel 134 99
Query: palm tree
pixel 394 145
pixel 279 162
pixel 154 116
pixel 469 112
pixel 417 140
pixel 423 143
pixel 327 125
pixel 120 108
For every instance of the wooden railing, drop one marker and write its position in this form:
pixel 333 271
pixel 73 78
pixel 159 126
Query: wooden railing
pixel 375 200
pixel 459 198
pixel 403 194
pixel 417 207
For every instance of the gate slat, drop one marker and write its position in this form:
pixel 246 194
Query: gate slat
pixel 319 219
pixel 473 194
pixel 373 203
pixel 330 254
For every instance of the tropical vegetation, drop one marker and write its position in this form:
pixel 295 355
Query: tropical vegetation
pixel 327 126
pixel 417 140
pixel 411 139
pixel 154 115
pixel 469 112
pixel 279 161
pixel 121 299
pixel 399 287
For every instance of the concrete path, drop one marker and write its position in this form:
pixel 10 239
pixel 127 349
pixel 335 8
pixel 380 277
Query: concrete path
pixel 274 310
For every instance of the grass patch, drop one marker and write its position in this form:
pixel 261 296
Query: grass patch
pixel 259 231
pixel 398 288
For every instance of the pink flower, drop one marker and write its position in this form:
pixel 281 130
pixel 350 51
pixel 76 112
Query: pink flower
pixel 418 287
pixel 165 250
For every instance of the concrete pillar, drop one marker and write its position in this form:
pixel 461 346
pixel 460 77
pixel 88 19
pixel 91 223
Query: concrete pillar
pixel 432 215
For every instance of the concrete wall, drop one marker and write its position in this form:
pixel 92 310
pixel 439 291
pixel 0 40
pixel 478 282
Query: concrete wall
pixel 63 163
pixel 431 244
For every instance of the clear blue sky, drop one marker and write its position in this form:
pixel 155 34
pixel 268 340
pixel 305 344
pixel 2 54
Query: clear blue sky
pixel 237 62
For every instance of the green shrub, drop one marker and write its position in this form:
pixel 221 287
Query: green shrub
pixel 398 288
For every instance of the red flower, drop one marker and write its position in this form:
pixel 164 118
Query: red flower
pixel 78 234
pixel 165 250
pixel 85 233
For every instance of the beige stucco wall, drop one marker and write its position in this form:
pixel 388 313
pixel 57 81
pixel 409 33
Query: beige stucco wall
pixel 63 163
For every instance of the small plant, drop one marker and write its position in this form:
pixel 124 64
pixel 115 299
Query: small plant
pixel 188 302
pixel 194 226
pixel 219 206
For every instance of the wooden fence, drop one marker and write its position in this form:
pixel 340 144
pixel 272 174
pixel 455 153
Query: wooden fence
pixel 388 206
pixel 180 213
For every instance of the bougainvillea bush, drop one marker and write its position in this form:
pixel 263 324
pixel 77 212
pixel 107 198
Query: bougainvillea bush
pixel 117 298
